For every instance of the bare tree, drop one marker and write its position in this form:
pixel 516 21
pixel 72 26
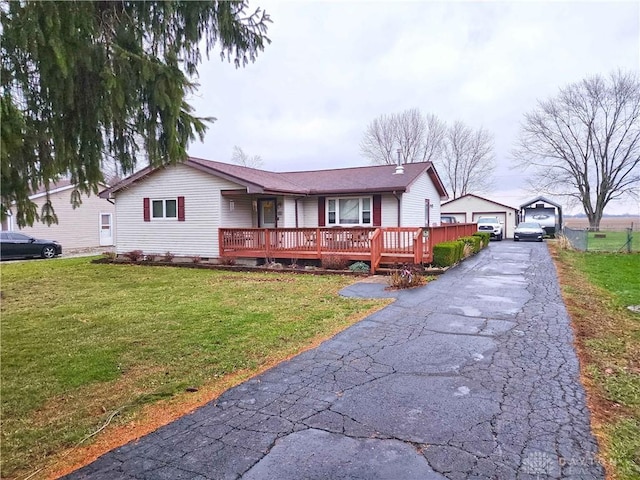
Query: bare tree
pixel 584 143
pixel 434 138
pixel 379 142
pixel 410 130
pixel 241 158
pixel 418 138
pixel 467 162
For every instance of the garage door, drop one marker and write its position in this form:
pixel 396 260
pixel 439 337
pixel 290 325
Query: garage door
pixel 502 216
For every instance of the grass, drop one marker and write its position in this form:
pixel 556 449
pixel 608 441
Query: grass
pixel 597 288
pixel 612 241
pixel 81 341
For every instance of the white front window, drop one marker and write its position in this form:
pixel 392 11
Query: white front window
pixel 349 211
pixel 167 208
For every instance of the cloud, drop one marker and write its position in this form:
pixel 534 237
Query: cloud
pixel 334 66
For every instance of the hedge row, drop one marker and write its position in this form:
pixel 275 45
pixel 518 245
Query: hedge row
pixel 486 238
pixel 475 242
pixel 446 254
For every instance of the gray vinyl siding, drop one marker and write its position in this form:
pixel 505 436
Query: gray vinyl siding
pixel 302 212
pixel 288 217
pixel 205 209
pixel 309 209
pixel 413 203
pixel 240 217
pixel 76 228
pixel 389 211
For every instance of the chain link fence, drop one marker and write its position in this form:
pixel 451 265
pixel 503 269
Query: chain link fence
pixel 577 238
pixel 603 240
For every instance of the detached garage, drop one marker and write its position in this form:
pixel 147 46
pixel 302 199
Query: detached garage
pixel 468 208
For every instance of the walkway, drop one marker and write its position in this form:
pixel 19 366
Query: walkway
pixel 471 377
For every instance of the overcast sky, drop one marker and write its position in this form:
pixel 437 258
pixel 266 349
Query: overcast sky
pixel 332 67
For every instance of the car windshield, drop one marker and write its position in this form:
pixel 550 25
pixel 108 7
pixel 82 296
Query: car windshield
pixel 487 220
pixel 529 225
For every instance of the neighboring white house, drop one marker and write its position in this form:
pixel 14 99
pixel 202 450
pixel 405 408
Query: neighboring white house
pixel 180 208
pixel 468 208
pixel 89 225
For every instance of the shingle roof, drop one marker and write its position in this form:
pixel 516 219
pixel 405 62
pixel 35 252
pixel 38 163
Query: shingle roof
pixel 60 184
pixel 55 187
pixel 378 178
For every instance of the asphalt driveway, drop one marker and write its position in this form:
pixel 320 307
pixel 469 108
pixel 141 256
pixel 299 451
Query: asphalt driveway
pixel 471 377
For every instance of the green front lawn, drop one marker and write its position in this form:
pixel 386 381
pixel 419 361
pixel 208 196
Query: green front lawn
pixel 619 274
pixel 80 341
pixel 609 241
pixel 597 289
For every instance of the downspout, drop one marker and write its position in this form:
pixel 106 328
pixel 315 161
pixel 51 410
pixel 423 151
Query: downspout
pixel 296 209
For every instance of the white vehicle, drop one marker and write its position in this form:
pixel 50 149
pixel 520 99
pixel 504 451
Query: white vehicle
pixel 491 225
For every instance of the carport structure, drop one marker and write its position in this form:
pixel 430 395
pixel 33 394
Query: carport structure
pixel 538 210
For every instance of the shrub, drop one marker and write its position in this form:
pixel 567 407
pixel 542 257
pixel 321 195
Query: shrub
pixel 406 276
pixel 150 257
pixel 134 255
pixel 473 241
pixel 110 255
pixel 334 262
pixel 360 267
pixel 486 237
pixel 564 243
pixel 168 256
pixel 446 254
pixel 196 259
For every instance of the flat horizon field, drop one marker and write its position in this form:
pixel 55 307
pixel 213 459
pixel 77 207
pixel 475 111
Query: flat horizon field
pixel 607 223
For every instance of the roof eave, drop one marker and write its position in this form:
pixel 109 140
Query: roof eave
pixel 435 178
pixel 343 191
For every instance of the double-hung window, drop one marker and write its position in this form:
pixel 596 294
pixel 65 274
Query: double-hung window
pixel 349 211
pixel 165 208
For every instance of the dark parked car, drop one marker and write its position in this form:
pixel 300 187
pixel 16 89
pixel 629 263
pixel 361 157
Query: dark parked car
pixel 528 230
pixel 448 219
pixel 18 245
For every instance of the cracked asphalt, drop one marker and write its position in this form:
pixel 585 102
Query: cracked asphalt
pixel 472 376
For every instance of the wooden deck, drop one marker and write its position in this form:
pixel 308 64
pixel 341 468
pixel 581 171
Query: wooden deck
pixel 374 245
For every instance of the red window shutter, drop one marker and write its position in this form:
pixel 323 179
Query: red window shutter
pixel 146 208
pixel 321 212
pixel 377 210
pixel 181 209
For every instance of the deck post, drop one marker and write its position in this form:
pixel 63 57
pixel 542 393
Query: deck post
pixel 267 243
pixel 376 249
pixel 417 247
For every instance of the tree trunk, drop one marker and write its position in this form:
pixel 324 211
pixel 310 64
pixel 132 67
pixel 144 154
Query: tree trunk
pixel 594 220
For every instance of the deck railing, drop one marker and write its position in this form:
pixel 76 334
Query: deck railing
pixel 408 244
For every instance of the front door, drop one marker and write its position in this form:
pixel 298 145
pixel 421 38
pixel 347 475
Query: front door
pixel 106 229
pixel 267 212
